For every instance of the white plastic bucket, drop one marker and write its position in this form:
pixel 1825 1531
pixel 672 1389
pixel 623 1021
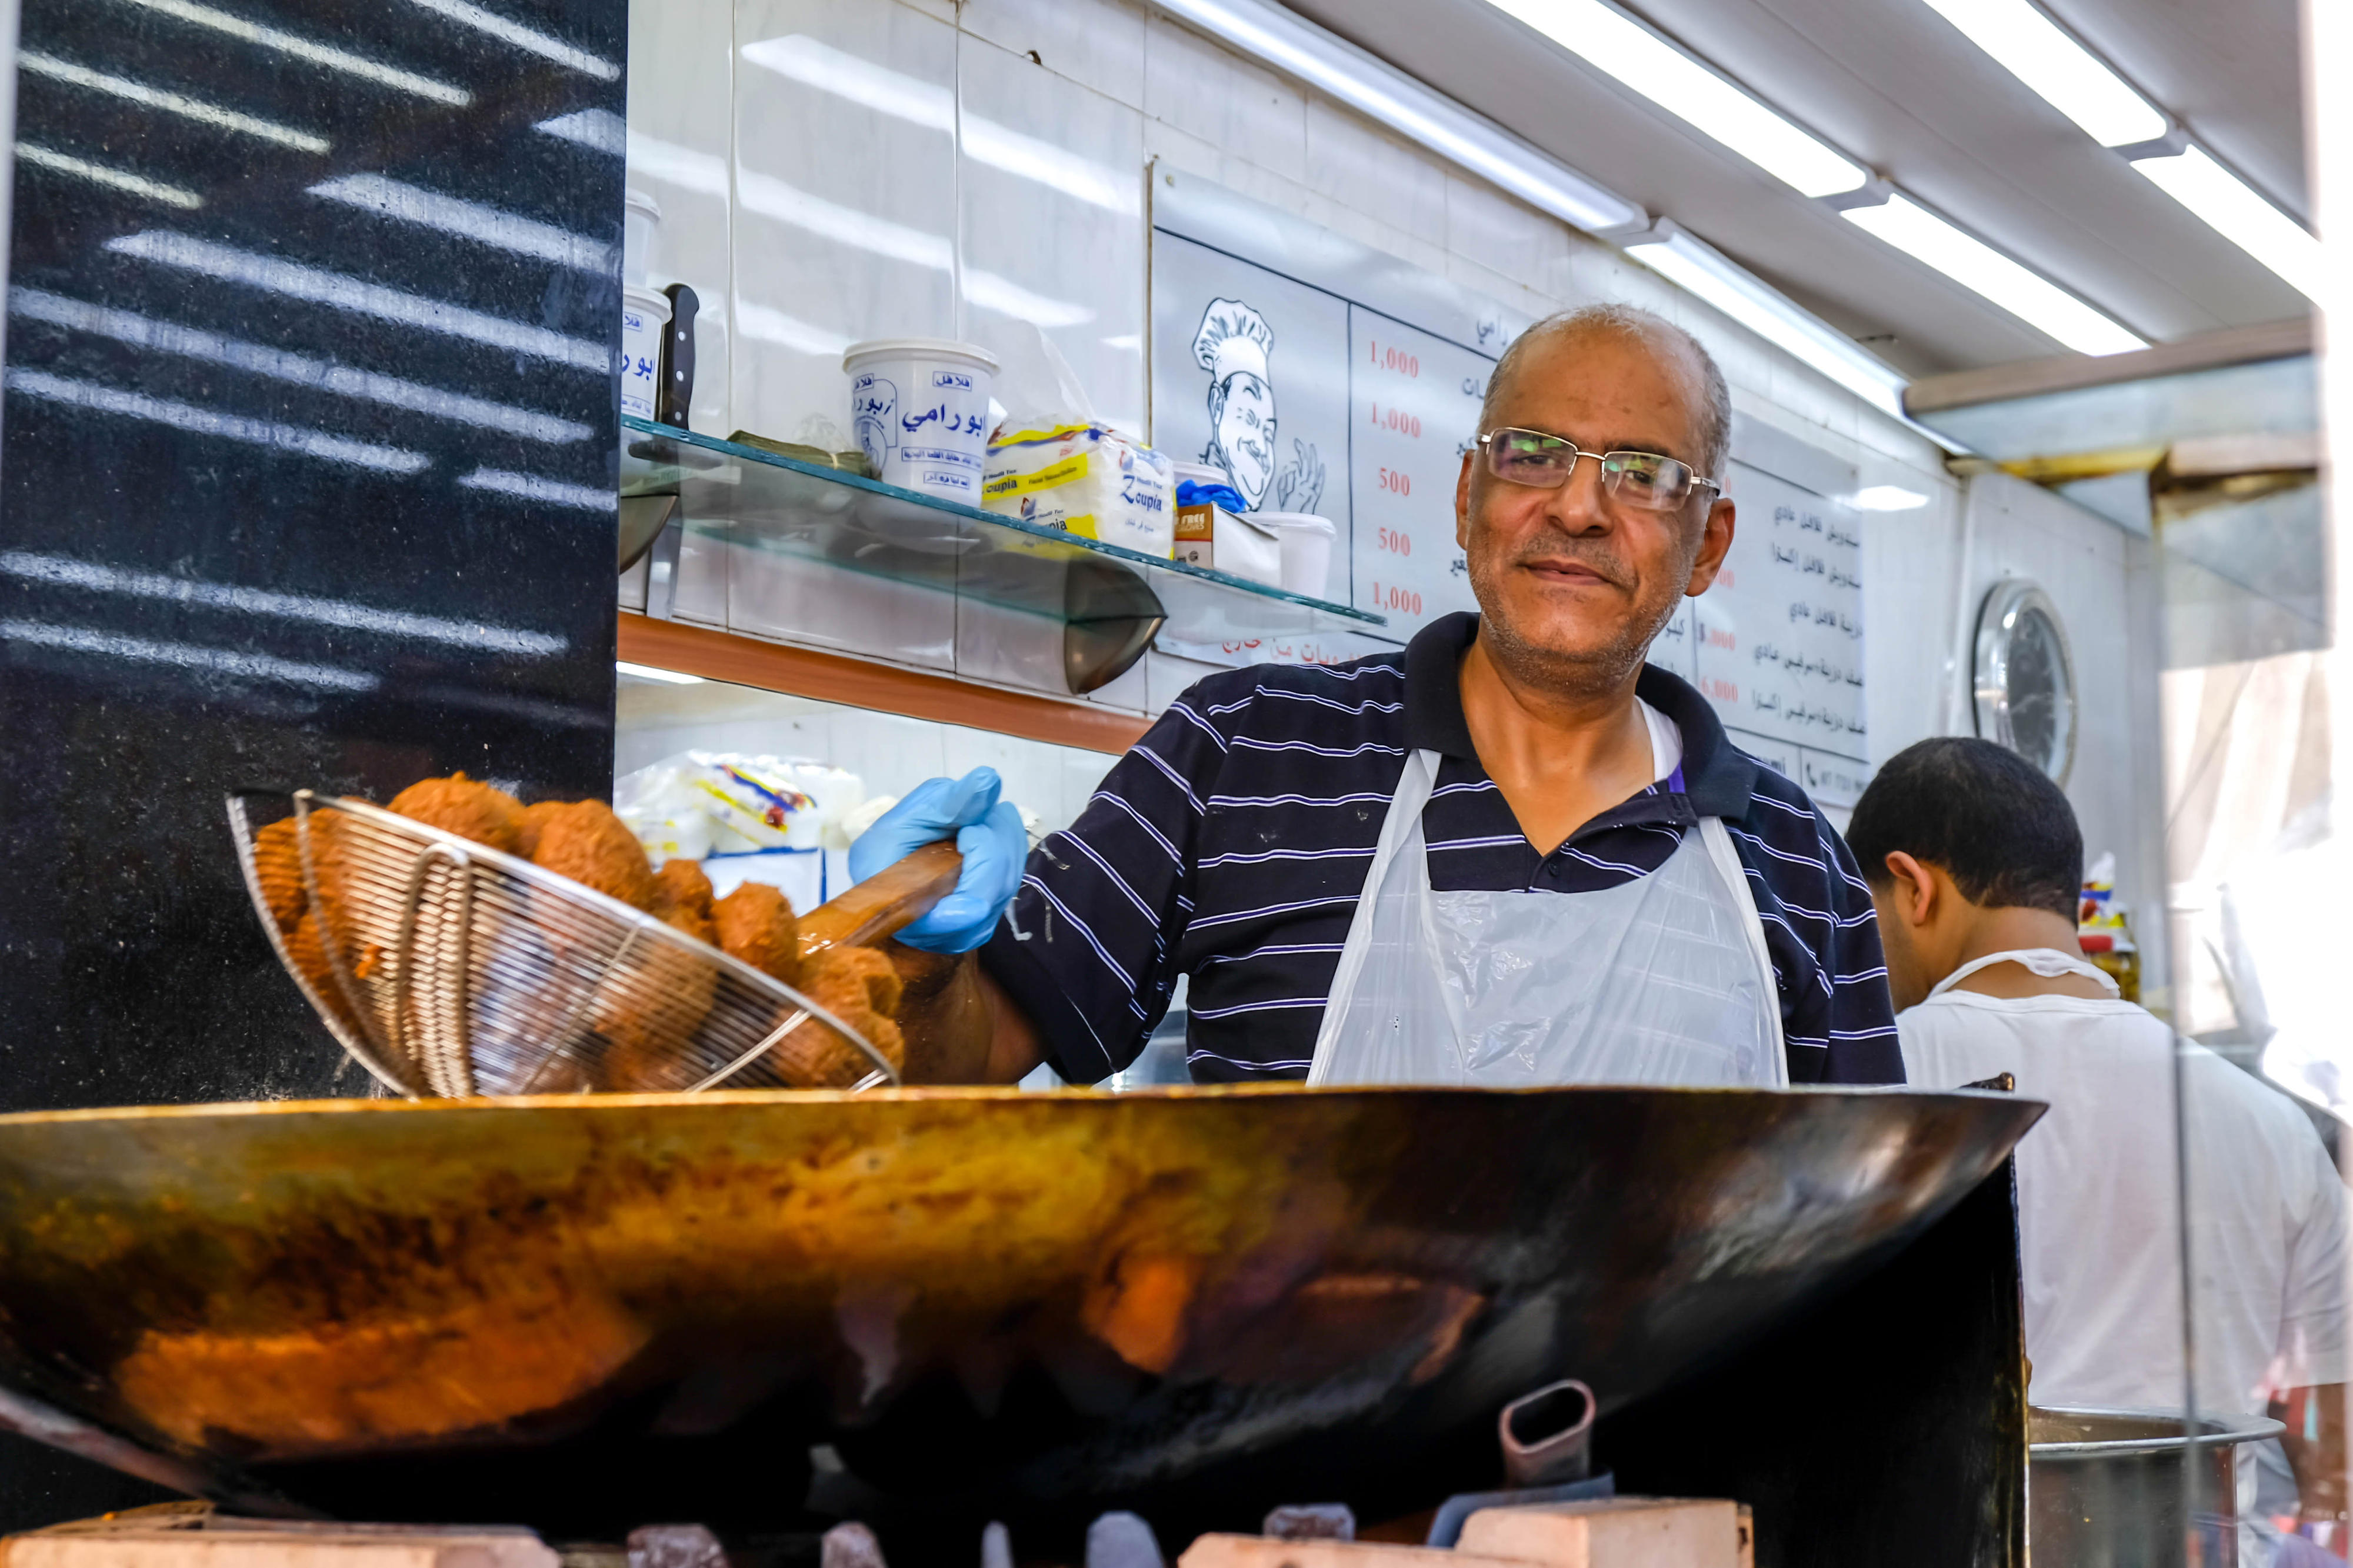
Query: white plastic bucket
pixel 645 321
pixel 919 408
pixel 640 225
pixel 1306 549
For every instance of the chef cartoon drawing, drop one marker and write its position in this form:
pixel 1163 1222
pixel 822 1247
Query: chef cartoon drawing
pixel 1232 344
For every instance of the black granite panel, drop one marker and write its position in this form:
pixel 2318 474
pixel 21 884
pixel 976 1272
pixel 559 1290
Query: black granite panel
pixel 309 442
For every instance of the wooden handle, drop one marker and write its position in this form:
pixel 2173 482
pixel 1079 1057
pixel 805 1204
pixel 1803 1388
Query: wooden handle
pixel 896 896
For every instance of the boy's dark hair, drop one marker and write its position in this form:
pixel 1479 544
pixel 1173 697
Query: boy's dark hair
pixel 1996 826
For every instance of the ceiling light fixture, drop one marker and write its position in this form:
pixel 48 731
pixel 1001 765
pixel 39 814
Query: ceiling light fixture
pixel 2083 87
pixel 1688 89
pixel 2067 76
pixel 2240 215
pixel 1978 267
pixel 1683 260
pixel 1381 92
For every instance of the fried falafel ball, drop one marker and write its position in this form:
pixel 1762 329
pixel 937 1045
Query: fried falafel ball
pixel 277 867
pixel 815 1056
pixel 585 842
pixel 650 1007
pixel 682 897
pixel 466 807
pixel 756 926
pixel 532 823
pixel 676 987
pixel 873 967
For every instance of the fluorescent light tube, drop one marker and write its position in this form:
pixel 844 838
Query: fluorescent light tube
pixel 1381 92
pixel 1888 498
pixel 1977 266
pixel 2068 77
pixel 2240 214
pixel 1690 90
pixel 1756 305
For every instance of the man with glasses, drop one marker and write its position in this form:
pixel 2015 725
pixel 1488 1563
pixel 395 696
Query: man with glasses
pixel 1509 854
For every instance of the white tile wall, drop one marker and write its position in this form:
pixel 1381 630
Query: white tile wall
pixel 681 59
pixel 1098 44
pixel 1053 223
pixel 1206 91
pixel 845 196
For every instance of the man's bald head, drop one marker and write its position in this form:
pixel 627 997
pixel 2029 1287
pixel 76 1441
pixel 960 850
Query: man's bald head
pixel 1711 399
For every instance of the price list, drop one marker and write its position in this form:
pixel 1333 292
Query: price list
pixel 1414 411
pixel 1776 643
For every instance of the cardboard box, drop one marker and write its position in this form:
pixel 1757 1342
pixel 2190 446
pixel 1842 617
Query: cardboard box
pixel 1611 1532
pixel 1208 535
pixel 1264 1551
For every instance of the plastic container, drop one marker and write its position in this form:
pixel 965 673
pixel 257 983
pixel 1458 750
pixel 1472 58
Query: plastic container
pixel 640 227
pixel 1306 549
pixel 645 321
pixel 919 408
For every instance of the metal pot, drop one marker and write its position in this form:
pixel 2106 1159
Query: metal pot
pixel 2111 1489
pixel 588 1311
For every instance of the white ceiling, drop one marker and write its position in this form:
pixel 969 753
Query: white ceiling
pixel 1893 84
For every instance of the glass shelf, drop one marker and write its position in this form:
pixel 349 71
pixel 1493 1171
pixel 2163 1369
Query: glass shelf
pixel 774 506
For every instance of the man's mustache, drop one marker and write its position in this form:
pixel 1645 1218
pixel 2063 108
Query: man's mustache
pixel 1607 567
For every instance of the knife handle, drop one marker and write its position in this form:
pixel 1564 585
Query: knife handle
pixel 677 392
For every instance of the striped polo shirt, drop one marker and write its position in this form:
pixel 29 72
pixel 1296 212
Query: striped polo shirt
pixel 1230 846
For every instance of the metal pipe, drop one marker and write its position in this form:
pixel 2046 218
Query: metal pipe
pixel 1547 1435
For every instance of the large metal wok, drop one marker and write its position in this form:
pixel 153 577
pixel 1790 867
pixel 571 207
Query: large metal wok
pixel 588 1313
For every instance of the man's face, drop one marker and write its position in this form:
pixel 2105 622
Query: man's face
pixel 1571 581
pixel 1244 419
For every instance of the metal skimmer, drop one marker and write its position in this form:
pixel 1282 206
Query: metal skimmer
pixel 448 968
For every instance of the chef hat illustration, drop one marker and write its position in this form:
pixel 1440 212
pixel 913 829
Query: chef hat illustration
pixel 1233 338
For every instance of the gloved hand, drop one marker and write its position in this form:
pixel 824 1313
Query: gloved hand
pixel 988 833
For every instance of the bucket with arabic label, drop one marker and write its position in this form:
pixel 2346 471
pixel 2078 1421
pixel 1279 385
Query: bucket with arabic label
pixel 919 407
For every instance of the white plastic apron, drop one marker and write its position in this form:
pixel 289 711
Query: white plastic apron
pixel 2047 962
pixel 1664 979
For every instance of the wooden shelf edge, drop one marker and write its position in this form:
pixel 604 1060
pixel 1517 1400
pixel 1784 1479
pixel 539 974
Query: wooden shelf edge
pixel 860 683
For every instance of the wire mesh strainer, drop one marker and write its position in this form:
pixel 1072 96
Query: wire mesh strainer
pixel 448 968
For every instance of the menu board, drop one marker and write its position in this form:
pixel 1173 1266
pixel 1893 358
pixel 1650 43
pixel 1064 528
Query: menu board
pixel 1414 405
pixel 1775 644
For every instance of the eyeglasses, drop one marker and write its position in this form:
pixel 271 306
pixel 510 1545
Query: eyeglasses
pixel 1644 480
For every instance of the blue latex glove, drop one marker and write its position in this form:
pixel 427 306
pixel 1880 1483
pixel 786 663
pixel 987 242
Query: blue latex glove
pixel 988 833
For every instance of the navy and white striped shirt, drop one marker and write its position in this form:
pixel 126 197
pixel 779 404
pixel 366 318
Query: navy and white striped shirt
pixel 1231 843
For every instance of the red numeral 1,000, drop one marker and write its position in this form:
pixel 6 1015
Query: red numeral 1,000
pixel 1395 482
pixel 1391 597
pixel 1391 357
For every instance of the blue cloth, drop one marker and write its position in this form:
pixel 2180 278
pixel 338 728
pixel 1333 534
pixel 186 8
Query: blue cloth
pixel 1190 492
pixel 988 834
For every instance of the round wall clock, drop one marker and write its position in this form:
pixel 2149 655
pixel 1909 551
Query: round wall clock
pixel 2025 680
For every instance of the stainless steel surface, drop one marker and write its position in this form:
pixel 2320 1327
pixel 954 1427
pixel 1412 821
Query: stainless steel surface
pixel 642 519
pixel 2113 1489
pixel 985 1300
pixel 448 968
